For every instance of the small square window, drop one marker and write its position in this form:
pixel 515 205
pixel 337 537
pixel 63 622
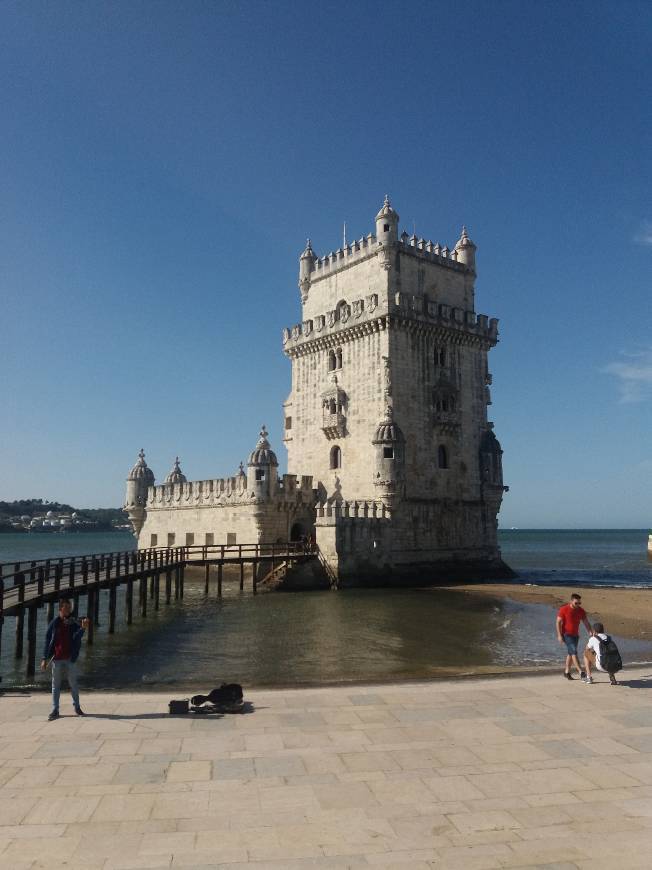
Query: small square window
pixel 210 539
pixel 171 537
pixel 260 474
pixel 388 452
pixel 190 539
pixel 386 228
pixel 153 541
pixel 230 539
pixel 288 422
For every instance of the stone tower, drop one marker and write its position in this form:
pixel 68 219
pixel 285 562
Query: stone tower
pixel 388 408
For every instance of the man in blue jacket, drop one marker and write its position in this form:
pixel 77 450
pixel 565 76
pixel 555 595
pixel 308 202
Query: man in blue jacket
pixel 62 644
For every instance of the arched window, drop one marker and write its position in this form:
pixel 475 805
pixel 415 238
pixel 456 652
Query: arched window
pixel 332 361
pixel 338 358
pixel 336 457
pixel 442 456
pixel 332 406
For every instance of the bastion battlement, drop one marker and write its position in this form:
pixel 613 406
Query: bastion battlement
pixel 225 491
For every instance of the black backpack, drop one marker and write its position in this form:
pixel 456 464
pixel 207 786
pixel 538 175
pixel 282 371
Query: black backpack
pixel 610 660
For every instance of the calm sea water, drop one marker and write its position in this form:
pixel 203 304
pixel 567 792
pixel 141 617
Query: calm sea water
pixel 322 637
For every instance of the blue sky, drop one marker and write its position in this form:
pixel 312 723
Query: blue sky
pixel 161 165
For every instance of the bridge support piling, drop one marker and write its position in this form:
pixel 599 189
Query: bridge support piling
pixel 241 575
pixel 168 586
pixel 207 574
pixel 94 610
pixel 90 611
pixel 112 601
pixel 219 580
pixel 129 601
pixel 49 614
pixel 176 583
pixel 143 597
pixel 157 588
pixel 182 579
pixel 254 577
pixel 20 616
pixel 30 668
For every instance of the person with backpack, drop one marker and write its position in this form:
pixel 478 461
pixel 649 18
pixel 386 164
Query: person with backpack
pixel 602 653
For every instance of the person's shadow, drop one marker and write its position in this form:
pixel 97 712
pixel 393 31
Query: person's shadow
pixel 247 708
pixel 639 683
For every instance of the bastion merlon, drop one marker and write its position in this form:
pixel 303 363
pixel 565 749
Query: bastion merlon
pixel 394 466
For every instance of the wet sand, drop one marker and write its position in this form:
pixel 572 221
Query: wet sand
pixel 625 612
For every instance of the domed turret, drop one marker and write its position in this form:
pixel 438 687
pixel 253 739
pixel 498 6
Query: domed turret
pixel 262 473
pixel 387 224
pixel 491 460
pixel 306 268
pixel 140 478
pixel 466 250
pixel 176 475
pixel 389 442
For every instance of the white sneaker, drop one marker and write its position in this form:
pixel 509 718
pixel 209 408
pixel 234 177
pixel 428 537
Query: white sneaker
pixel 588 680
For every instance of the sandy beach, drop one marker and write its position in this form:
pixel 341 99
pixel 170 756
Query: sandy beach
pixel 626 612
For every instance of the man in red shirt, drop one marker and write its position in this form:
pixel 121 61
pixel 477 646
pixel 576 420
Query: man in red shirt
pixel 568 631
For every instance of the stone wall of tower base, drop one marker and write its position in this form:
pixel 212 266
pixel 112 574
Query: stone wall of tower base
pixel 418 542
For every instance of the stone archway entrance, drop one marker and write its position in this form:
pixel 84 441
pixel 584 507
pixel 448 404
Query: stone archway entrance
pixel 298 531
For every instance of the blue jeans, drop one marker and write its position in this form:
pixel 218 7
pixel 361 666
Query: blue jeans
pixel 571 641
pixel 61 668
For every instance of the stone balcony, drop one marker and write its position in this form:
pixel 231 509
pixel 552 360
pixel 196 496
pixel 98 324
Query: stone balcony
pixel 333 425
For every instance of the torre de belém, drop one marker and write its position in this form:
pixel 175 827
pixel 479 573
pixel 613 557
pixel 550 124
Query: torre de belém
pixel 394 468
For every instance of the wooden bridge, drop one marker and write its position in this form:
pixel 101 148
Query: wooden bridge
pixel 151 574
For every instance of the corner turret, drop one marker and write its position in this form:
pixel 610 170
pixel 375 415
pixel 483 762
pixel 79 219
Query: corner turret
pixel 466 250
pixel 140 478
pixel 386 233
pixel 306 268
pixel 262 468
pixel 389 464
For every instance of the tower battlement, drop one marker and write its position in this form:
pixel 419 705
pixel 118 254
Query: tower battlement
pixel 347 321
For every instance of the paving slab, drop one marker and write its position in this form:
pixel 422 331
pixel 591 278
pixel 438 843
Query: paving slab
pixel 469 773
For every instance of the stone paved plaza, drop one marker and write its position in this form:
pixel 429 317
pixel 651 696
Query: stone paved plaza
pixel 510 772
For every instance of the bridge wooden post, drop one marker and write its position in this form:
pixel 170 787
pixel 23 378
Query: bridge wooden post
pixel 95 612
pixel 40 581
pixel 152 564
pixel 156 580
pixel 112 595
pixel 207 572
pixel 220 566
pixel 168 585
pixel 176 581
pixel 241 573
pixel 58 574
pixel 19 580
pixel 90 613
pixel 71 573
pixel 254 567
pixel 182 578
pixel 129 594
pixel 32 613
